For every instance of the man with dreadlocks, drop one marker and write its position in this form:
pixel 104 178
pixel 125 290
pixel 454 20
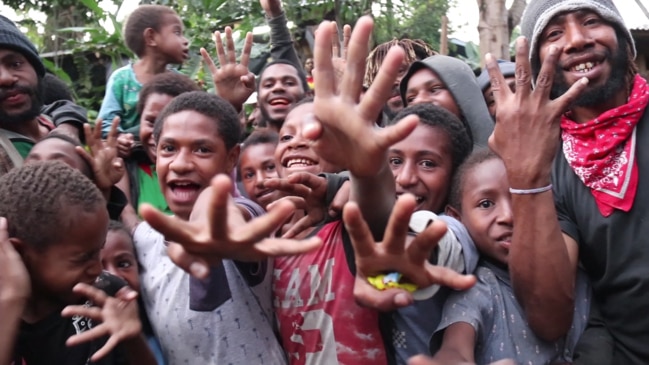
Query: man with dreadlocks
pixel 415 50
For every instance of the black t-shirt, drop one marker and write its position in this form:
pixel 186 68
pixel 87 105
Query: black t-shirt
pixel 614 251
pixel 44 342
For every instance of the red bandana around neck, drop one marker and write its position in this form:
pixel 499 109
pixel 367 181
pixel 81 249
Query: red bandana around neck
pixel 602 151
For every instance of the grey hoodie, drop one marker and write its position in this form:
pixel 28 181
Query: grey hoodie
pixel 462 84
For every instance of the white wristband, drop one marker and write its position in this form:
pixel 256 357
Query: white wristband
pixel 530 191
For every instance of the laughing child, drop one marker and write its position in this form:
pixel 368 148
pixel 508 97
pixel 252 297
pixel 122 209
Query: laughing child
pixel 56 220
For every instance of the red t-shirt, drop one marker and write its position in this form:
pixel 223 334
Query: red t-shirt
pixel 319 320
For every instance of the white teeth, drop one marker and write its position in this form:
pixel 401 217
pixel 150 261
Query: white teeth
pixel 299 161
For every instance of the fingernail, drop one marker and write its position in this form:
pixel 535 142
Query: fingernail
pixel 402 300
pixel 198 270
pixel 553 49
pixel 584 80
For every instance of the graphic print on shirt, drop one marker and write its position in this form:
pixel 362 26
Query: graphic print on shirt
pixel 320 322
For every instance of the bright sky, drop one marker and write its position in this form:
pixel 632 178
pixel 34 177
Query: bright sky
pixel 463 17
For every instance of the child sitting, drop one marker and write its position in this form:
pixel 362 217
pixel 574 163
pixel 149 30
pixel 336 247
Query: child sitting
pixel 486 323
pixel 155 34
pixel 57 221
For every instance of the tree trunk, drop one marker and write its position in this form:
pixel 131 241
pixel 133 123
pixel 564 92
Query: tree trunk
pixel 515 14
pixel 493 29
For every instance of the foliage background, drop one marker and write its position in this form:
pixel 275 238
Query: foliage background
pixel 79 49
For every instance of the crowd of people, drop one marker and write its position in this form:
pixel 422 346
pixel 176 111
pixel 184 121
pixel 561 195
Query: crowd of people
pixel 387 206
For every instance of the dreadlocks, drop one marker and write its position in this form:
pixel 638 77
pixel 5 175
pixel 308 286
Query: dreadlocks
pixel 416 49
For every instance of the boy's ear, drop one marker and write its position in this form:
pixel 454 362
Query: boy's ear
pixel 150 37
pixel 450 211
pixel 233 157
pixel 19 245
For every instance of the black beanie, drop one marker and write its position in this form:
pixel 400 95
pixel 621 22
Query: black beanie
pixel 11 37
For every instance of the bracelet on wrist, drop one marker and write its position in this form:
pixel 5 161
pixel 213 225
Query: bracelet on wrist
pixel 530 191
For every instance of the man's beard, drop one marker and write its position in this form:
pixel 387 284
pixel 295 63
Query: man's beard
pixel 597 95
pixel 273 122
pixel 35 96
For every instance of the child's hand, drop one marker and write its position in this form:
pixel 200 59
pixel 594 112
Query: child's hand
pixel 217 230
pixel 232 81
pixel 125 142
pixel 344 130
pixel 14 278
pixel 107 168
pixel 118 318
pixel 339 59
pixel 395 253
pixel 307 192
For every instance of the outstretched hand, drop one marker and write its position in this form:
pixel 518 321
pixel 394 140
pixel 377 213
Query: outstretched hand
pixel 307 192
pixel 397 253
pixel 217 230
pixel 233 81
pixel 106 166
pixel 527 131
pixel 342 117
pixel 118 317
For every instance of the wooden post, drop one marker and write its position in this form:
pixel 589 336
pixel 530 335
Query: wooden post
pixel 443 42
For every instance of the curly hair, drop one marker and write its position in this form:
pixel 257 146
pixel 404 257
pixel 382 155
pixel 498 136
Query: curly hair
pixel 416 49
pixel 167 83
pixel 145 16
pixel 476 158
pixel 438 117
pixel 210 105
pixel 37 200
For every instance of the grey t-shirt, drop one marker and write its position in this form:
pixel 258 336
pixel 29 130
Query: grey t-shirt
pixel 501 329
pixel 225 319
pixel 413 325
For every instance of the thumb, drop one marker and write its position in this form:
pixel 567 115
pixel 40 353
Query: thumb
pixel 248 81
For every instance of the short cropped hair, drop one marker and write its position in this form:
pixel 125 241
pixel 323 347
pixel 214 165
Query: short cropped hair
pixel 220 111
pixel 435 116
pixel 459 179
pixel 260 136
pixel 37 199
pixel 145 16
pixel 87 171
pixel 167 83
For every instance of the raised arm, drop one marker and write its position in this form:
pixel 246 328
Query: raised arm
pixel 232 81
pixel 281 42
pixel 217 230
pixel 542 260
pixel 342 116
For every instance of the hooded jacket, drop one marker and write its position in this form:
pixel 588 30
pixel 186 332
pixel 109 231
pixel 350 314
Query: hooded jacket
pixel 461 82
